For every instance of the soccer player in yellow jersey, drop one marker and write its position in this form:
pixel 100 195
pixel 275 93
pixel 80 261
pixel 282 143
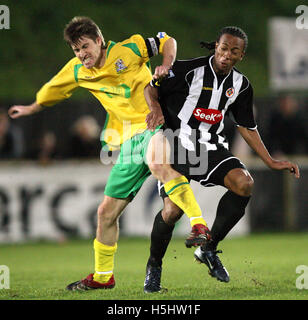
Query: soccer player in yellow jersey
pixel 116 74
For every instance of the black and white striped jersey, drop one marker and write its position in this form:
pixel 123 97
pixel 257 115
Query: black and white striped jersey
pixel 194 98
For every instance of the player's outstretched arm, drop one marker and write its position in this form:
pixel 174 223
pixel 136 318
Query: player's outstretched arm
pixel 24 110
pixel 254 140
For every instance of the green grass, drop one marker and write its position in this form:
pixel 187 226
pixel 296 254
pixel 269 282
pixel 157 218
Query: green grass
pixel 261 267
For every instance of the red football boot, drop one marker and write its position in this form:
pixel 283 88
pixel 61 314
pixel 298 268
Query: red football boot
pixel 199 235
pixel 89 284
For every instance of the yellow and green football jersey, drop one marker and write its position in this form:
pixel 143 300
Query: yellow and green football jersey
pixel 118 85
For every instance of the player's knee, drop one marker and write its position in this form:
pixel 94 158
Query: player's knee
pixel 159 170
pixel 240 182
pixel 105 216
pixel 171 213
pixel 245 186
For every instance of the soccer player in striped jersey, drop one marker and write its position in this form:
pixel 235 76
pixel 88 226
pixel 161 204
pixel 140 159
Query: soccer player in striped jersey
pixel 116 74
pixel 195 98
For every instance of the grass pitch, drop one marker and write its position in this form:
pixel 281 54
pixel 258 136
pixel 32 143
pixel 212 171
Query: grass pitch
pixel 261 267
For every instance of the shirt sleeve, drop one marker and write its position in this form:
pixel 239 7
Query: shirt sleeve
pixel 60 87
pixel 146 48
pixel 156 44
pixel 242 109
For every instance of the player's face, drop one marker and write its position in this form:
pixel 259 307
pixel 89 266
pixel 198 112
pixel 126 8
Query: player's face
pixel 89 52
pixel 228 51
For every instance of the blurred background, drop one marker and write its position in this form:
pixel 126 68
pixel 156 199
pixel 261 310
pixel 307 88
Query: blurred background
pixel 52 173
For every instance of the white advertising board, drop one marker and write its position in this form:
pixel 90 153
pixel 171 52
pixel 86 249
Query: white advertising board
pixel 288 54
pixel 60 200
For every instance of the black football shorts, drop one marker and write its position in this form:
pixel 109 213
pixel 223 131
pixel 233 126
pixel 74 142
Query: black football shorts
pixel 209 171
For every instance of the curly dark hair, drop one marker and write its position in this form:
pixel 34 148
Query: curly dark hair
pixel 233 31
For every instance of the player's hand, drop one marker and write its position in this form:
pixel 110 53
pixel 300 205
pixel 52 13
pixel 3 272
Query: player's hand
pixel 161 72
pixel 21 110
pixel 285 165
pixel 154 119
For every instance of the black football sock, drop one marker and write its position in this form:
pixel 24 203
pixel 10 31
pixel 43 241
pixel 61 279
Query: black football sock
pixel 231 208
pixel 160 237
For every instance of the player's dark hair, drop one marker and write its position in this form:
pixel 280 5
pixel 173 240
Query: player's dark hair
pixel 79 27
pixel 233 31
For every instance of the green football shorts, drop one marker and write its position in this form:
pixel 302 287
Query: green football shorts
pixel 131 170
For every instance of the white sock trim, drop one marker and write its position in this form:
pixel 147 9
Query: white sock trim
pixel 103 272
pixel 193 218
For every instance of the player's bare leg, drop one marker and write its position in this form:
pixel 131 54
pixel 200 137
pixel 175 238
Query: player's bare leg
pixel 176 187
pixel 105 246
pixel 239 181
pixel 108 214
